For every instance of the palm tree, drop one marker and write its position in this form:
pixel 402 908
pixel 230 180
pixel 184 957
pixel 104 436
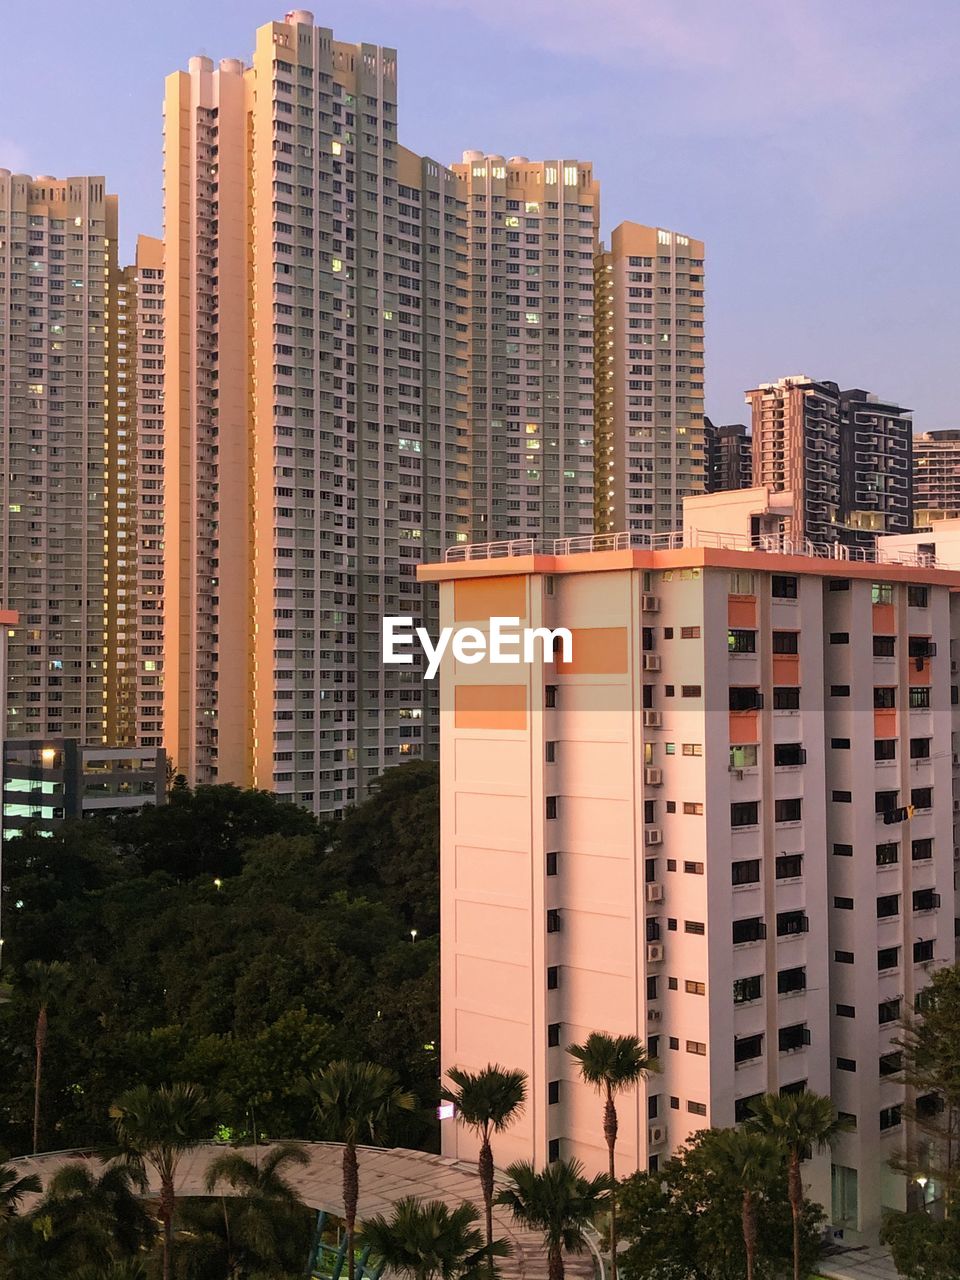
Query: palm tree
pixel 560 1202
pixel 430 1241
pixel 800 1123
pixel 267 1202
pixel 44 984
pixel 356 1100
pixel 89 1220
pixel 128 1269
pixel 752 1162
pixel 611 1064
pixel 13 1189
pixel 155 1127
pixel 487 1102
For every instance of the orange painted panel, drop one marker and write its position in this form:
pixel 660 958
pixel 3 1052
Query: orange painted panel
pixel 786 668
pixel 490 706
pixel 885 722
pixel 884 620
pixel 476 599
pixel 597 651
pixel 744 727
pixel 742 612
pixel 923 675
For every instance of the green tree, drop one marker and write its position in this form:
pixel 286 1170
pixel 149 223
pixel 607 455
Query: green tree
pixel 356 1101
pixel 430 1241
pixel 88 1218
pixel 930 1044
pixel 486 1102
pixel 45 984
pixel 611 1064
pixel 154 1128
pixel 923 1247
pixel 265 1207
pixel 801 1123
pixel 751 1161
pixel 13 1188
pixel 559 1202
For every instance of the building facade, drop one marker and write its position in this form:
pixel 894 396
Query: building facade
pixel 49 781
pixel 936 476
pixel 315 412
pixel 58 269
pixel 532 232
pixel 718 827
pixel 728 457
pixel 844 456
pixel 649 378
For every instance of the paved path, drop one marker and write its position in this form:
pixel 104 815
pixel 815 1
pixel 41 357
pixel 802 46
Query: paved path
pixel 858 1264
pixel 385 1177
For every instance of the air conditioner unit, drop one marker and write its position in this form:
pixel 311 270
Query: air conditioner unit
pixel 651 662
pixel 657 1135
pixel 653 777
pixel 654 952
pixel 654 892
pixel 653 835
pixel 652 719
pixel 736 773
pixel 654 1015
pixel 650 604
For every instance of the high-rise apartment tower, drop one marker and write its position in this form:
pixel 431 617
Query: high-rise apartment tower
pixel 936 476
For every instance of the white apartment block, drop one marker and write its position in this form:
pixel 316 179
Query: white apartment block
pixel 726 827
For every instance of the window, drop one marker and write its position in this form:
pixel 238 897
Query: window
pixel 695 988
pixel 884 646
pixel 888 854
pixel 917 596
pixel 693 868
pixel 846 1064
pixel 747 872
pixel 789 866
pixel 745 698
pixel 745 813
pixel 884 698
pixel 697 1047
pixel 841 797
pixel 846 1011
pixel 746 1048
pixel 782 587
pixel 789 753
pixel 689 633
pixel 743 757
pixel 890 1063
pixel 741 584
pixel 919 748
pixel 786 698
pixel 742 641
pixel 792 1037
pixel 553 921
pixel 553 860
pixel 791 922
pixel 839 691
pixel 786 642
pixel 694 926
pixel 843 904
pixel 888 904
pixel 692 806
pixel 553 977
pixel 653 987
pixel 550 695
pixel 843 957
pixel 888 958
pixel 553 1035
pixel 743 1108
pixel 690 691
pixel 921 850
pixel 923 951
pixel 890 1117
pixel 697 1108
pixel 839 637
pixel 922 797
pixel 840 744
pixel 691 749
pixel 885 801
pixel 787 810
pixel 839 584
pixel 553 1150
pixel 843 850
pixel 925 900
pixel 885 749
pixel 751 929
pixel 551 806
pixel 551 753
pixel 653 1106
pixel 553 1091
pixel 882 593
pixel 791 980
pixel 747 989
pixel 888 1011
pixel 919 698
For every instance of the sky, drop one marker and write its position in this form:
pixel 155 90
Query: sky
pixel 811 143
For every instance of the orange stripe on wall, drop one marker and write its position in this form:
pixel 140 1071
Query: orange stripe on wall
pixel 884 621
pixel 476 599
pixel 597 651
pixel 744 727
pixel 786 668
pixel 490 706
pixel 742 612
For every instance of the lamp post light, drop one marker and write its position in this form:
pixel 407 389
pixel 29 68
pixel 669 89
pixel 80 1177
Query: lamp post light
pixel 218 883
pixel 413 935
pixel 921 1181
